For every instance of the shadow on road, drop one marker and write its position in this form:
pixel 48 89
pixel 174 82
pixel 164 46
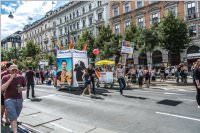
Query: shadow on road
pixel 36 99
pixel 169 102
pixel 78 91
pixel 141 98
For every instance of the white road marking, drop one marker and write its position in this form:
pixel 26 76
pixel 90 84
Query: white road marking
pixel 69 130
pixel 178 116
pixel 169 93
pixel 191 100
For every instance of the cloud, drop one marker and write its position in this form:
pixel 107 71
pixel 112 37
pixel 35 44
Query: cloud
pixel 8 8
pixel 25 9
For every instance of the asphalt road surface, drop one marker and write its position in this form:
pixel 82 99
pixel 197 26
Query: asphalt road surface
pixel 160 109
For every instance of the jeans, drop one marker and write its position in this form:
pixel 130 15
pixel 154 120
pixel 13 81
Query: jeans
pixel 13 107
pixel 122 84
pixel 31 84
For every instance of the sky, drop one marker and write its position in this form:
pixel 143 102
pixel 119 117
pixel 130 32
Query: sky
pixel 22 12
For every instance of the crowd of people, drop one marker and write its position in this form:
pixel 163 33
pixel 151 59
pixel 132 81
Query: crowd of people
pixel 14 81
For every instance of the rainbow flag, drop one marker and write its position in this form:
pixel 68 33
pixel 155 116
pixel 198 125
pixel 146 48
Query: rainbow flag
pixel 58 45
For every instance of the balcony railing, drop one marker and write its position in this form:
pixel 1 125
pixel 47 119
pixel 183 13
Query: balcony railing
pixel 192 16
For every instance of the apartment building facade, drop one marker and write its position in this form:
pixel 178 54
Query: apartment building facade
pixel 145 13
pixel 66 22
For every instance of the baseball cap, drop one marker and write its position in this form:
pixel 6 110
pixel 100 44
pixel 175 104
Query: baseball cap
pixel 13 67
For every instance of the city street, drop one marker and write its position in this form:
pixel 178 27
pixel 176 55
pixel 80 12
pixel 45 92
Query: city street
pixel 159 109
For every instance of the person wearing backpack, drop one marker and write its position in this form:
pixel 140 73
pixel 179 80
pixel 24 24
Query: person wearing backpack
pixel 140 77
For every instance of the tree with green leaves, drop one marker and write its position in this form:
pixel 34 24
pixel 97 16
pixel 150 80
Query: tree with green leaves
pixel 88 39
pixel 31 49
pixel 173 34
pixel 103 41
pixel 108 44
pixel 30 52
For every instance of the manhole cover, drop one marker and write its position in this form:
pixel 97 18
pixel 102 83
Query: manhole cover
pixel 170 102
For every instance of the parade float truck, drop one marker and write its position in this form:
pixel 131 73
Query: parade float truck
pixel 70 68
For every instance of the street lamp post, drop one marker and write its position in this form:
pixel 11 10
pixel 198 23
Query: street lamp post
pixel 11 15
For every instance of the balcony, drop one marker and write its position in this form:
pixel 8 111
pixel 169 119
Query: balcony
pixel 192 16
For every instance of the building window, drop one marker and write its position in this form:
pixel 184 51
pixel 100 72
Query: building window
pixel 139 3
pixel 192 31
pixel 54 33
pixel 74 15
pixel 65 19
pixel 172 10
pixel 60 31
pixel 65 29
pixel 126 7
pixel 45 26
pixel 115 10
pixel 90 7
pixel 83 10
pixel 190 8
pixel 70 16
pixel 154 18
pixel 99 3
pixel 141 22
pixel 90 20
pixel 54 23
pixel 77 25
pixel 74 26
pixel 127 24
pixel 99 16
pixel 60 21
pixel 83 23
pixel 77 13
pixel 117 29
pixel 70 27
pixel 75 39
pixel 152 1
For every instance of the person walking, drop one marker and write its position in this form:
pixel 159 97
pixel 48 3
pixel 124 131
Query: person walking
pixel 54 76
pixel 120 73
pixel 91 72
pixel 87 79
pixel 147 77
pixel 37 76
pixel 4 72
pixel 162 73
pixel 13 84
pixel 140 77
pixel 42 76
pixel 197 81
pixel 30 82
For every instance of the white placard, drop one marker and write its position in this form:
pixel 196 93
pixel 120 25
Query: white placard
pixel 106 77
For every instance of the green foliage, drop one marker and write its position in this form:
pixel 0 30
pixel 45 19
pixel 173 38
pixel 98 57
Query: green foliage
pixel 131 33
pixel 87 37
pixel 173 34
pixel 50 59
pixel 31 49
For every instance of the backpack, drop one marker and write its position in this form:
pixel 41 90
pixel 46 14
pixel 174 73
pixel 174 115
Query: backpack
pixel 140 73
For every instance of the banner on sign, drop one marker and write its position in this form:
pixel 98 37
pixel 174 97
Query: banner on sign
pixel 127 47
pixel 106 77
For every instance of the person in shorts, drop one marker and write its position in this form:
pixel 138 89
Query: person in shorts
pixel 4 72
pixel 13 84
pixel 87 80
